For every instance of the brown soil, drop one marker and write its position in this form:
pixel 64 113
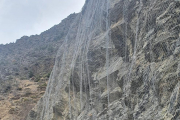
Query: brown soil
pixel 17 104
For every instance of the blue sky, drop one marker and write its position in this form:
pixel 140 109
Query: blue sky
pixel 30 17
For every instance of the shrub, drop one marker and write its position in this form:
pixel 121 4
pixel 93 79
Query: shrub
pixel 31 74
pixel 48 75
pixel 16 74
pixel 19 88
pixel 37 79
pixel 25 68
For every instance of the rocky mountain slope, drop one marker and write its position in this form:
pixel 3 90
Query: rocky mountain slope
pixel 34 55
pixel 119 61
pixel 25 67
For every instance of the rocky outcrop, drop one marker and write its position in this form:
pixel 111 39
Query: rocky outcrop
pixel 119 61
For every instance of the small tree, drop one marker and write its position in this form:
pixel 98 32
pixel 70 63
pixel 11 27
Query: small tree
pixel 31 74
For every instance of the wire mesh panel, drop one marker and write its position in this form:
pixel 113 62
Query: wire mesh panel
pixel 119 61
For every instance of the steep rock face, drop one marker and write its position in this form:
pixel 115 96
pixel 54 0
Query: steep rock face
pixel 119 61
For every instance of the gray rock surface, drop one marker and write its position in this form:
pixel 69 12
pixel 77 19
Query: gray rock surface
pixel 119 61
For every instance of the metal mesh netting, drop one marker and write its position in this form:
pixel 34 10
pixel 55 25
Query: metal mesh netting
pixel 119 61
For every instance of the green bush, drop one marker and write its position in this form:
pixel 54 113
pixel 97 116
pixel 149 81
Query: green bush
pixel 19 88
pixel 25 68
pixel 16 74
pixel 37 78
pixel 22 78
pixel 48 75
pixel 31 74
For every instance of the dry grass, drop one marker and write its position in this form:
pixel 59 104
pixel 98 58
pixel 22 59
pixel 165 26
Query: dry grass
pixel 17 104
